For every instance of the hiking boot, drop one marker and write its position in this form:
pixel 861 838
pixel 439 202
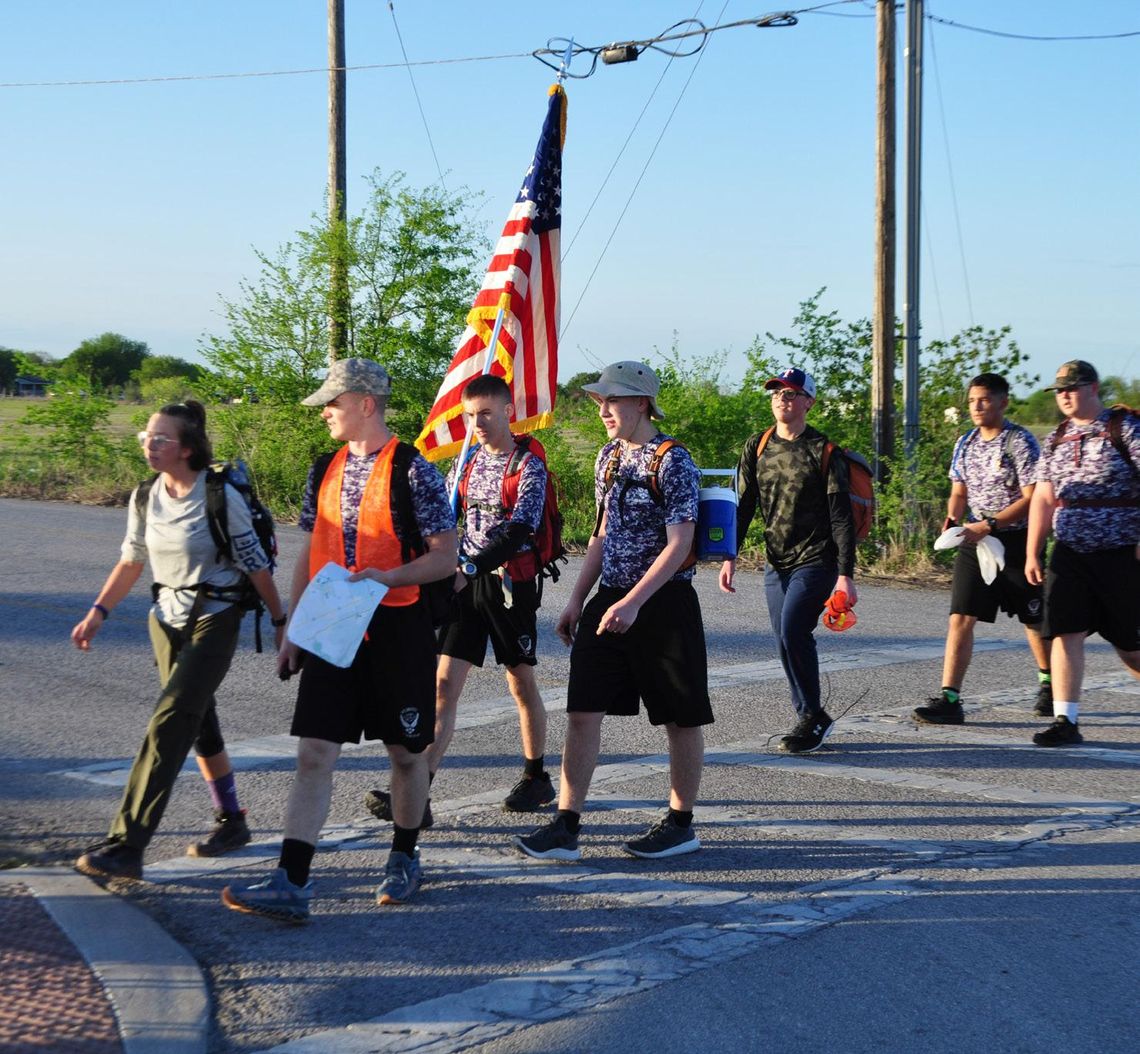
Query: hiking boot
pixel 230 833
pixel 274 898
pixel 379 803
pixel 808 735
pixel 1061 733
pixel 665 838
pixel 530 794
pixel 940 711
pixel 1043 707
pixel 112 859
pixel 402 877
pixel 552 841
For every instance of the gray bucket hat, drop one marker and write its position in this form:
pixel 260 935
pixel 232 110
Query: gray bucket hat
pixel 627 378
pixel 366 376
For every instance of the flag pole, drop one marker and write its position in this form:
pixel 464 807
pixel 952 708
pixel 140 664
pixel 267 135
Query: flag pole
pixel 465 449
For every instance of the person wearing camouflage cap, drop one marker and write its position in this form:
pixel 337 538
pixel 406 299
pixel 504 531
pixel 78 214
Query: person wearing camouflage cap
pixel 351 514
pixel 1088 494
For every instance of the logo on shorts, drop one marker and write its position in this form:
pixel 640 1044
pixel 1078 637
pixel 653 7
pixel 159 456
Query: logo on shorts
pixel 410 719
pixel 526 645
pixel 1034 606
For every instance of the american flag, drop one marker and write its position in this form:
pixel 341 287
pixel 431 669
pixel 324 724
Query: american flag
pixel 523 278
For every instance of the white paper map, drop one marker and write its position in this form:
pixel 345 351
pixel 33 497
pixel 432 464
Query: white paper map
pixel 334 613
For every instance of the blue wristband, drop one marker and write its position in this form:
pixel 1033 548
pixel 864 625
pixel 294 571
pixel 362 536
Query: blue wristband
pixel 102 611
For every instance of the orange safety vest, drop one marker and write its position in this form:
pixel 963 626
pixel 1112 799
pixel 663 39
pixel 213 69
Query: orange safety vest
pixel 376 542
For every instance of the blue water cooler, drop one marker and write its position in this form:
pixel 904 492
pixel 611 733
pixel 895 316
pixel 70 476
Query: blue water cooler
pixel 716 518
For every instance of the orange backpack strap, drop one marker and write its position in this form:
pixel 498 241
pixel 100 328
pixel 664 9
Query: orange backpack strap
pixel 764 441
pixel 653 469
pixel 825 461
pixel 613 463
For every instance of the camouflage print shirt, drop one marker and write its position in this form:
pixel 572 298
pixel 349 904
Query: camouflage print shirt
pixel 635 522
pixel 1085 466
pixel 429 500
pixel 993 471
pixel 807 520
pixel 484 516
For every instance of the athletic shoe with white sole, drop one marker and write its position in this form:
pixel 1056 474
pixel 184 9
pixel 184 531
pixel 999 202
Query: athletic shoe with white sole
pixel 552 841
pixel 665 838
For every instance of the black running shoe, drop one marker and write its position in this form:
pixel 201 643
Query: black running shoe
pixel 808 735
pixel 940 711
pixel 530 794
pixel 112 859
pixel 379 803
pixel 1061 733
pixel 230 833
pixel 1043 707
pixel 664 838
pixel 552 841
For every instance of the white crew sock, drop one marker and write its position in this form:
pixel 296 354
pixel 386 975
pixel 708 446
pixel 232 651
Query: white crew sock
pixel 1068 710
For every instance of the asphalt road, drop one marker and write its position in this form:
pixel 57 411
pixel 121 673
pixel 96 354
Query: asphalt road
pixel 949 889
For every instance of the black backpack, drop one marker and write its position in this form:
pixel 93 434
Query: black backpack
pixel 435 596
pixel 243 596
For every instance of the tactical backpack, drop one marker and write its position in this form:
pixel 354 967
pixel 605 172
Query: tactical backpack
pixel 243 596
pixel 547 551
pixel 860 482
pixel 652 484
pixel 1116 417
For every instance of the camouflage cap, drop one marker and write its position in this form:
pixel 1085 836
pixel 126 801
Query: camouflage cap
pixel 1073 372
pixel 366 376
pixel 627 378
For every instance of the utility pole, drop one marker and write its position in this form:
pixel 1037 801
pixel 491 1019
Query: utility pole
pixel 914 26
pixel 883 321
pixel 338 283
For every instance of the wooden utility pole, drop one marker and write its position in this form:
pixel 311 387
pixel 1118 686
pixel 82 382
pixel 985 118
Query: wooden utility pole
pixel 883 322
pixel 338 277
pixel 914 29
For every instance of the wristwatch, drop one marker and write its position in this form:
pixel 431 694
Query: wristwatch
pixel 469 569
pixel 991 522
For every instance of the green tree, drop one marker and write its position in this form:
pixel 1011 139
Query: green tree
pixel 154 367
pixel 413 265
pixel 106 361
pixel 71 426
pixel 9 370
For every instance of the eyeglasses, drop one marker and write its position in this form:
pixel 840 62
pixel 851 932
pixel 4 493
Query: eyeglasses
pixel 785 395
pixel 154 438
pixel 1069 389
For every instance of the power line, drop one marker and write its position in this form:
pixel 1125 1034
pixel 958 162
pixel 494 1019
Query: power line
pixel 640 177
pixel 261 73
pixel 415 92
pixel 1030 36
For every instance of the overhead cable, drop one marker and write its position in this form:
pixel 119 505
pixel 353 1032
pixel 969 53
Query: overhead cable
pixel 416 93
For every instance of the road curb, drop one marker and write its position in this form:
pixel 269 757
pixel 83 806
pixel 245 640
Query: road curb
pixel 158 991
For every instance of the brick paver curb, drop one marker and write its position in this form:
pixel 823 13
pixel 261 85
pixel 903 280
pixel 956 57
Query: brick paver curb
pixel 156 989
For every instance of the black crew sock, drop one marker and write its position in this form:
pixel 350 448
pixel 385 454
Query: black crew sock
pixel 681 819
pixel 533 767
pixel 296 858
pixel 573 820
pixel 404 839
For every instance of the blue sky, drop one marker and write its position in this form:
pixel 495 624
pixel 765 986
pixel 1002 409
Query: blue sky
pixel 132 207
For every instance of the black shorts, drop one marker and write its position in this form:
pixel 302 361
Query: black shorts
pixel 660 660
pixel 1095 592
pixel 1010 591
pixel 479 612
pixel 387 693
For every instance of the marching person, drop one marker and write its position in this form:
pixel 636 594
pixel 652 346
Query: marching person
pixel 992 472
pixel 1088 492
pixel 641 636
pixel 194 627
pixel 497 592
pixel 809 542
pixel 350 516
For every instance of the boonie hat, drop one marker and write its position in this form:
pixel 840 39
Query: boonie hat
pixel 366 376
pixel 1075 371
pixel 792 377
pixel 627 378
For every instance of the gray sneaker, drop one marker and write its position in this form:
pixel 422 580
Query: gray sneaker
pixel 274 897
pixel 402 877
pixel 664 838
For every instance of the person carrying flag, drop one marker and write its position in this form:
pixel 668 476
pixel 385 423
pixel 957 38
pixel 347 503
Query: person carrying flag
pixel 490 601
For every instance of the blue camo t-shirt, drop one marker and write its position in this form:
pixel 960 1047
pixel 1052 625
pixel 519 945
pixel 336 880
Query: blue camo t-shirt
pixel 429 500
pixel 635 523
pixel 1086 466
pixel 993 477
pixel 484 517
